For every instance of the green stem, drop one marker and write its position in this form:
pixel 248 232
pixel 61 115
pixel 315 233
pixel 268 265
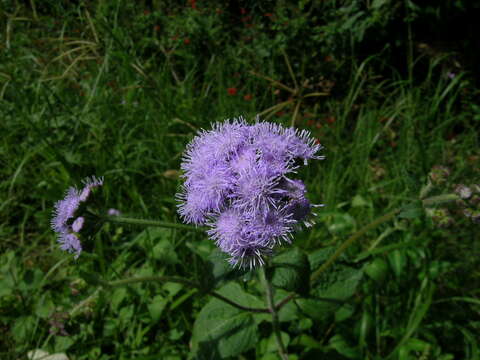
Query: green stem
pixel 273 310
pixel 440 199
pixel 149 222
pixel 153 278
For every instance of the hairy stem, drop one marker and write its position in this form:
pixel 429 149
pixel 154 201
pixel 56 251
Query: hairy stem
pixel 148 222
pixel 273 310
pixel 440 199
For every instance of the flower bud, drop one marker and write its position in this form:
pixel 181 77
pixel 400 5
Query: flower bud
pixel 439 174
pixel 442 217
pixel 463 191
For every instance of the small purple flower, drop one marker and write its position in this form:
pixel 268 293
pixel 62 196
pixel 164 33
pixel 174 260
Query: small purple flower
pixel 236 183
pixel 113 212
pixel 65 222
pixel 78 224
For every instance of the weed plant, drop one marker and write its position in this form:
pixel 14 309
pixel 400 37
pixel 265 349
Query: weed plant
pixel 118 89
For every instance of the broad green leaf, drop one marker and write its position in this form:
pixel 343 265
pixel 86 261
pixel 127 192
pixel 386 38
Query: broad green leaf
pixel 156 307
pixel 44 306
pixel 307 341
pixel 7 285
pixel 125 314
pixel 412 211
pixel 272 342
pixel 90 278
pixel 38 354
pixel 222 270
pixel 338 343
pixel 342 224
pixel 331 292
pixel 152 235
pixel 289 311
pixel 63 343
pixel 172 288
pixel 378 3
pixel 165 252
pixel 117 297
pixel 291 271
pixel 377 270
pixel 22 328
pixel 110 326
pixel 414 346
pixel 318 257
pixel 32 278
pixel 359 201
pixel 344 312
pixel 221 330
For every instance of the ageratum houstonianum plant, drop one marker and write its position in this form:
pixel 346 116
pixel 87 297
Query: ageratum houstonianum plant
pixel 238 182
pixel 68 219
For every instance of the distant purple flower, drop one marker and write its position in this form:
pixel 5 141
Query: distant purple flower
pixel 236 183
pixel 113 212
pixel 66 222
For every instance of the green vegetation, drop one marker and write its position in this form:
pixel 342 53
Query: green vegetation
pixel 118 88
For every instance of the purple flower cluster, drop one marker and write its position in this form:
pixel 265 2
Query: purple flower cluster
pixel 65 222
pixel 236 183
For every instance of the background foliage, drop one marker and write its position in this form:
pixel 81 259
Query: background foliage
pixel 118 88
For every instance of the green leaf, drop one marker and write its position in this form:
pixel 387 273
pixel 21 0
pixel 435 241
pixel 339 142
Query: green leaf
pixel 414 346
pixel 165 252
pixel 157 243
pixel 222 270
pixel 331 292
pixel 398 261
pixel 378 3
pixel 221 330
pixel 307 341
pixel 172 288
pixel 44 306
pixel 156 307
pixel 359 201
pixel 318 257
pixel 39 354
pixel 344 312
pixel 338 343
pixel 23 328
pixel 412 211
pixel 117 297
pixel 272 346
pixel 377 270
pixel 63 343
pixel 291 271
pixel 289 311
pixel 32 278
pixel 90 278
pixel 342 224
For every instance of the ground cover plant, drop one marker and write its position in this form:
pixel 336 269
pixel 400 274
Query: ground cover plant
pixel 118 90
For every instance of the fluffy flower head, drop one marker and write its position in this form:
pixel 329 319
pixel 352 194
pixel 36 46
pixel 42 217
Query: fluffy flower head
pixel 236 182
pixel 66 221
